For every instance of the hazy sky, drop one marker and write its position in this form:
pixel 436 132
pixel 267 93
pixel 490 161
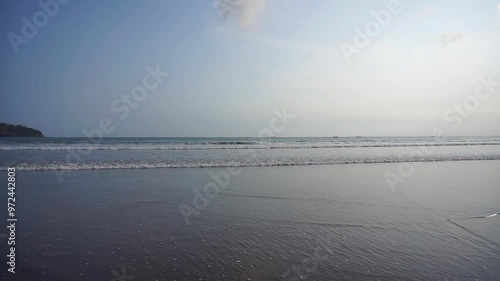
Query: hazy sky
pixel 226 75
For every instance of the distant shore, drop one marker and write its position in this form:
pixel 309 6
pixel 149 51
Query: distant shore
pixel 9 130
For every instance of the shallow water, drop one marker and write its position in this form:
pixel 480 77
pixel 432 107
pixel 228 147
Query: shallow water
pixel 330 222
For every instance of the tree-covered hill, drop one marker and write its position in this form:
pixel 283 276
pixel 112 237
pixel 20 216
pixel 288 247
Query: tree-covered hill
pixel 7 130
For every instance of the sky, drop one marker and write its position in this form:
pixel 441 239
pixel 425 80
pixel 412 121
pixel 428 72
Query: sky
pixel 231 66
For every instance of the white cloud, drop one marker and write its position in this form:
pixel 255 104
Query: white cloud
pixel 447 38
pixel 250 12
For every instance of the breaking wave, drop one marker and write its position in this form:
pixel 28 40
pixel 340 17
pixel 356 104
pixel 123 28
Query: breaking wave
pixel 107 165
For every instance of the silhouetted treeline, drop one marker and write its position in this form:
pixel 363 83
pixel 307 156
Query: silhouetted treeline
pixel 7 130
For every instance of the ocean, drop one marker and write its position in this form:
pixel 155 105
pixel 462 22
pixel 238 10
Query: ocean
pixel 41 154
pixel 254 209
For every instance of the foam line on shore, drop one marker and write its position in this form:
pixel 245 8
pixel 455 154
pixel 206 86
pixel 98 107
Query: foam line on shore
pixel 225 164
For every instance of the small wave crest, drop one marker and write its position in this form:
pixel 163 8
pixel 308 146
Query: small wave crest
pixel 482 217
pixel 223 163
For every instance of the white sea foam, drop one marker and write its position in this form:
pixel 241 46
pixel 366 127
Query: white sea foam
pixel 101 165
pixel 147 153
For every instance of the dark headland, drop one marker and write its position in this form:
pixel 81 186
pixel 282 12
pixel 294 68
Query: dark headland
pixel 8 130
